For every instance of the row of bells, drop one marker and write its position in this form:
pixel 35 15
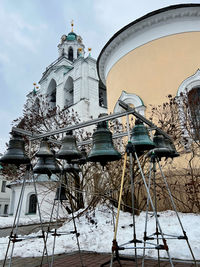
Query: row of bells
pixel 102 151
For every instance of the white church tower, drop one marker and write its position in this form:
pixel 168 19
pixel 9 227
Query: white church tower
pixel 72 80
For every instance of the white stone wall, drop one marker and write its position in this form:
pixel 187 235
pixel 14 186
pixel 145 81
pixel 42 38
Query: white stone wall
pixel 85 87
pixel 46 194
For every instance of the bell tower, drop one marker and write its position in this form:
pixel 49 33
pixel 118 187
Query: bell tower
pixel 71 45
pixel 72 82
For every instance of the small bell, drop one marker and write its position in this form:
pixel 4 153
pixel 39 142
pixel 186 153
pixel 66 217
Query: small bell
pixel 60 193
pixel 162 148
pixel 44 150
pixel 47 165
pixel 83 158
pixel 103 150
pixel 72 168
pixel 172 148
pixel 16 151
pixel 69 150
pixel 140 138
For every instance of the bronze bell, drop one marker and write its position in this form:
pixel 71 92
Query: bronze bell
pixel 140 138
pixel 103 150
pixel 60 193
pixel 69 150
pixel 71 168
pixel 173 152
pixel 83 158
pixel 47 165
pixel 162 147
pixel 16 151
pixel 44 150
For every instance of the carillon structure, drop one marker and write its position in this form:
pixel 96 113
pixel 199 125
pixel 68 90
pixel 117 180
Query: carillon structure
pixel 103 151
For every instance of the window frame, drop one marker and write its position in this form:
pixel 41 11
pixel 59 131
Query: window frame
pixel 185 87
pixel 3 187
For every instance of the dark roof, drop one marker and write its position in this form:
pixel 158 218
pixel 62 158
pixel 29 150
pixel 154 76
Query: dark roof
pixel 140 19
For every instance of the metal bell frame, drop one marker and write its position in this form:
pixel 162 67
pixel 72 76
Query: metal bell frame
pixel 159 233
pixel 128 110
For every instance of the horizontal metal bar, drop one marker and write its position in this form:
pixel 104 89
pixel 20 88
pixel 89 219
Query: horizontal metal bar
pixel 72 127
pixel 58 142
pixel 128 110
pixel 137 248
pixel 22 131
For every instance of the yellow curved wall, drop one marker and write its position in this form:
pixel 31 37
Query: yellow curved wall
pixel 155 69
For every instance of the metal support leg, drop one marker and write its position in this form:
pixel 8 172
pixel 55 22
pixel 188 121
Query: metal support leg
pixel 40 216
pixel 16 219
pixel 174 207
pixel 146 216
pixel 158 223
pixel 155 204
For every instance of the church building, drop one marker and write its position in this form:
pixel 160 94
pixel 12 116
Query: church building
pixel 70 82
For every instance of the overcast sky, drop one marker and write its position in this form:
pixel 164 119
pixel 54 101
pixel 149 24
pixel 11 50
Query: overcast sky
pixel 30 31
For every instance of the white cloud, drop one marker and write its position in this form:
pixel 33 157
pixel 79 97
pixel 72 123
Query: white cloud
pixel 4 58
pixel 16 32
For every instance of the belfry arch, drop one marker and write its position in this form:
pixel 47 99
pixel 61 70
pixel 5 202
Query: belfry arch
pixel 51 92
pixel 69 92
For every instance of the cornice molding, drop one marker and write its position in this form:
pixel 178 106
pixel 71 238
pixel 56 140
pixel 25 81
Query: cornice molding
pixel 164 23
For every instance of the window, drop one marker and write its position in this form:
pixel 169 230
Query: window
pixel 102 95
pixel 132 100
pixel 194 108
pixel 32 204
pixel 189 108
pixel 5 209
pixel 70 54
pixel 3 186
pixel 51 92
pixel 69 92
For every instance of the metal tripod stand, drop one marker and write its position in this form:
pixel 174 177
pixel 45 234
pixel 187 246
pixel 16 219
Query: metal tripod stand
pixel 13 238
pixel 116 248
pixel 130 150
pixel 154 159
pixel 57 233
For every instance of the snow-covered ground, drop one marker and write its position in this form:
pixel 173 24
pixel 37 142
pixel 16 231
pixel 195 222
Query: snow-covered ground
pixel 96 234
pixel 8 221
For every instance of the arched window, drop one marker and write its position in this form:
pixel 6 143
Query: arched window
pixel 70 54
pixel 12 207
pixel 32 204
pixel 194 108
pixel 102 95
pixel 51 92
pixel 132 100
pixel 189 98
pixel 69 92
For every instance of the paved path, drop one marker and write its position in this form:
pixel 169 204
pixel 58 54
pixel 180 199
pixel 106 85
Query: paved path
pixel 27 229
pixel 89 260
